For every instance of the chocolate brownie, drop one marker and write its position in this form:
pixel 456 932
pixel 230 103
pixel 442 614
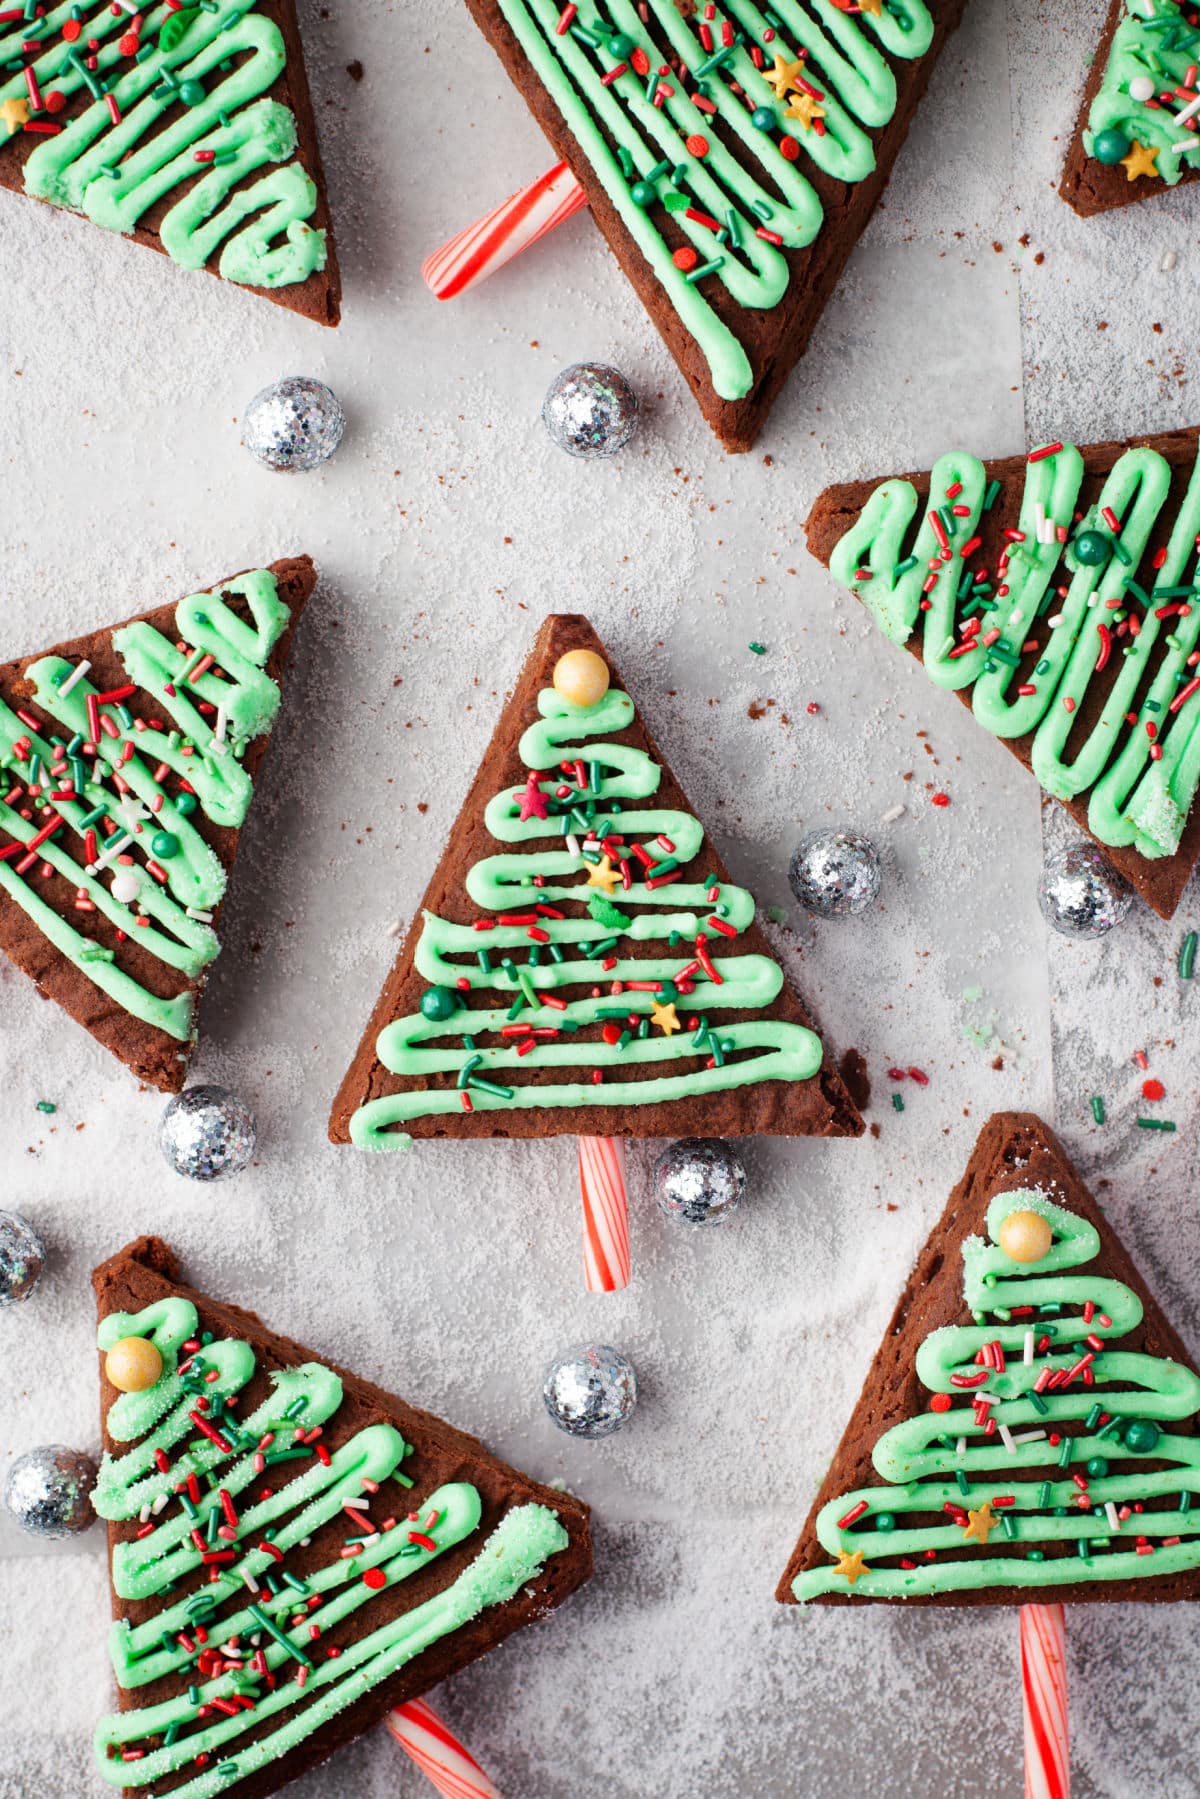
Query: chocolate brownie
pixel 216 96
pixel 758 1069
pixel 450 1551
pixel 1140 615
pixel 114 910
pixel 733 197
pixel 1089 1456
pixel 1091 184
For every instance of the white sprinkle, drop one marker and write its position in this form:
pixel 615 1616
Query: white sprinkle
pixel 144 1515
pixel 1169 261
pixel 77 673
pixel 1189 112
pixel 250 1580
pixel 1094 597
pixel 1110 1512
pixel 960 1447
pixel 1015 617
pixel 1006 1437
pixel 195 912
pixel 1055 620
pixel 572 844
pixel 110 854
pixel 1028 1357
pixel 395 928
pixel 892 814
pixel 221 724
pixel 160 1503
pixel 1030 1436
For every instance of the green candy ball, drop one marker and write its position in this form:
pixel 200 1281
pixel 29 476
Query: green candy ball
pixel 1092 548
pixel 643 193
pixel 667 993
pixel 192 93
pixel 1141 1435
pixel 1097 1468
pixel 885 1521
pixel 763 118
pixel 185 804
pixel 439 1003
pixel 1110 146
pixel 165 844
pixel 620 46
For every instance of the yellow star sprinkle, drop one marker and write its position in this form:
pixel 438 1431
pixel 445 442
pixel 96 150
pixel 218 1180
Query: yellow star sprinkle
pixel 603 874
pixel 851 1565
pixel 980 1523
pixel 1142 160
pixel 874 7
pixel 14 114
pixel 782 75
pixel 666 1018
pixel 806 109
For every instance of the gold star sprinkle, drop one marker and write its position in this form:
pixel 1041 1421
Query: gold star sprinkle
pixel 851 1565
pixel 980 1523
pixel 14 114
pixel 603 874
pixel 874 7
pixel 806 109
pixel 666 1018
pixel 1142 160
pixel 782 76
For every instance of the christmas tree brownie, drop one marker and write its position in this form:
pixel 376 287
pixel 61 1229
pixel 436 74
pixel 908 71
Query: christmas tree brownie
pixel 601 975
pixel 293 1551
pixel 187 128
pixel 1058 594
pixel 1028 1429
pixel 732 155
pixel 128 760
pixel 1137 130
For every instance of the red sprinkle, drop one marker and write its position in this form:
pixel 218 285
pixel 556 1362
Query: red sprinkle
pixel 374 1578
pixel 1153 1090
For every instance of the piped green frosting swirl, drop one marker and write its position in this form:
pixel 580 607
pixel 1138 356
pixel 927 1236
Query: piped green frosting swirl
pixel 619 780
pixel 118 157
pixel 274 1629
pixel 614 76
pixel 940 1466
pixel 1092 623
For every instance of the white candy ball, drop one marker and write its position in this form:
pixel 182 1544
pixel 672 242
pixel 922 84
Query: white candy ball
pixel 1141 88
pixel 127 884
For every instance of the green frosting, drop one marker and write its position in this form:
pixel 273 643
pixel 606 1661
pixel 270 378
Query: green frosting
pixel 250 1603
pixel 1152 43
pixel 1093 622
pixel 618 780
pixel 112 161
pixel 744 185
pixel 120 790
pixel 946 1460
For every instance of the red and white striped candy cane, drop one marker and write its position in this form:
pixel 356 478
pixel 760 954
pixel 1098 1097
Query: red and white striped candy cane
pixel 1044 1683
pixel 605 1213
pixel 490 242
pixel 438 1753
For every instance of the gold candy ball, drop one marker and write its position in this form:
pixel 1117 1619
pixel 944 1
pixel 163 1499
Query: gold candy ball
pixel 1025 1236
pixel 133 1364
pixel 581 678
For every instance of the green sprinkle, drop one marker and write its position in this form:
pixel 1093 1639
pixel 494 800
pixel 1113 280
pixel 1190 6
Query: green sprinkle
pixel 1097 1108
pixel 1038 1403
pixel 1155 1124
pixel 757 649
pixel 991 496
pixel 1064 1454
pixel 897 1102
pixel 1093 1417
pixel 281 1637
pixel 1187 957
pixel 1008 1524
pixel 479 1085
pixel 48 1106
pixel 1043 1497
pixel 964 1485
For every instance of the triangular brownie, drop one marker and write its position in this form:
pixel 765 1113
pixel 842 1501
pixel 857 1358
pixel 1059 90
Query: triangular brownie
pixel 189 129
pixel 1028 1429
pixel 617 985
pixel 732 157
pixel 293 1551
pixel 1057 594
pixel 128 761
pixel 1136 132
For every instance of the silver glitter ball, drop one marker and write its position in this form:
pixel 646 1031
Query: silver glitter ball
pixel 294 425
pixel 1081 894
pixel 699 1180
pixel 22 1258
pixel 207 1134
pixel 590 410
pixel 836 874
pixel 49 1491
pixel 590 1390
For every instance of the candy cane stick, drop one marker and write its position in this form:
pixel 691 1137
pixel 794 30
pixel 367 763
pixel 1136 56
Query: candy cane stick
pixel 438 1753
pixel 605 1213
pixel 1044 1683
pixel 490 242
